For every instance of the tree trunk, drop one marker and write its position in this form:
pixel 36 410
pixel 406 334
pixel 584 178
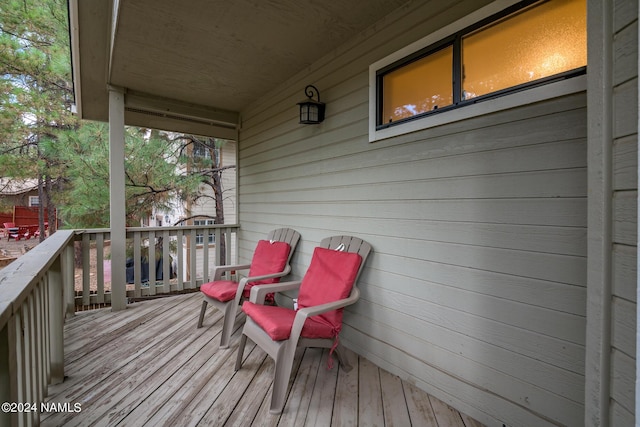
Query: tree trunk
pixel 217 192
pixel 51 208
pixel 41 199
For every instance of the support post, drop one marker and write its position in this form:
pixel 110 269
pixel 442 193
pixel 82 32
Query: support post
pixel 637 407
pixel 117 199
pixel 599 228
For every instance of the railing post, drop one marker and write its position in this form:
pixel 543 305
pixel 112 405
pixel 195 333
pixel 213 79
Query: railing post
pixel 56 321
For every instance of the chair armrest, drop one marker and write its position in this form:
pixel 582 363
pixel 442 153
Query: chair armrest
pixel 243 282
pixel 329 306
pixel 306 312
pixel 267 276
pixel 219 269
pixel 259 292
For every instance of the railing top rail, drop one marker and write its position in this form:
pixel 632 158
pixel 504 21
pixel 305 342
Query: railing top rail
pixel 147 229
pixel 18 278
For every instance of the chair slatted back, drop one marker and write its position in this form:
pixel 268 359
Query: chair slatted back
pixel 286 235
pixel 351 244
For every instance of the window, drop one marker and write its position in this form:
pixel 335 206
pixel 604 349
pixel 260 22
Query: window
pixel 490 54
pixel 432 74
pixel 34 201
pixel 200 150
pixel 200 236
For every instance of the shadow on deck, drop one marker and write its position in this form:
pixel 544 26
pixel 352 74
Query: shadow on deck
pixel 150 366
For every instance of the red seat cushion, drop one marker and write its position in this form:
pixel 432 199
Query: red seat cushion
pixel 278 321
pixel 222 290
pixel 269 257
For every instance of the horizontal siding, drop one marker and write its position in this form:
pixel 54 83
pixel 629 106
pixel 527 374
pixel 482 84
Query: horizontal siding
pixel 625 213
pixel 623 384
pixel 621 416
pixel 491 345
pixel 625 271
pixel 624 325
pixel 625 160
pixel 625 53
pixel 625 121
pixel 476 287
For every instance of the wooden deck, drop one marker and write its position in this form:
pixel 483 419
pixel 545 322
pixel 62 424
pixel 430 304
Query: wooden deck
pixel 150 366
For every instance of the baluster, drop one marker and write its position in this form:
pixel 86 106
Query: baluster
pixel 166 262
pixel 152 262
pixel 180 251
pixel 137 264
pixel 86 269
pixel 192 260
pixel 100 267
pixel 205 254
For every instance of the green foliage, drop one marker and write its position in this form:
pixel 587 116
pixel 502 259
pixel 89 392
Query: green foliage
pixel 153 175
pixel 35 87
pixel 84 199
pixel 35 70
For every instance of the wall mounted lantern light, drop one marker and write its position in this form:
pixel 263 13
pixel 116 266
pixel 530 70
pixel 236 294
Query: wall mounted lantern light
pixel 311 111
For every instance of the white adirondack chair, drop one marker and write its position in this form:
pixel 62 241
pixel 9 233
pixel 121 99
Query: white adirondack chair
pixel 328 285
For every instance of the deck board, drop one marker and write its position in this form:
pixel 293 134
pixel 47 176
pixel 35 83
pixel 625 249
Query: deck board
pixel 394 404
pixel 345 405
pixel 369 395
pixel 420 409
pixel 150 366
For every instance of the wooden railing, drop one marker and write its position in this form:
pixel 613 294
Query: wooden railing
pixel 181 260
pixel 32 295
pixel 39 288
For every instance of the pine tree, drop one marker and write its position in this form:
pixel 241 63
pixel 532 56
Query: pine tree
pixel 36 93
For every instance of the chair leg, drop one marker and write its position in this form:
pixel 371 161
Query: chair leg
pixel 228 323
pixel 202 311
pixel 342 357
pixel 243 341
pixel 284 364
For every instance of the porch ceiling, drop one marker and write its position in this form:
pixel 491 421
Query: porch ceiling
pixel 203 59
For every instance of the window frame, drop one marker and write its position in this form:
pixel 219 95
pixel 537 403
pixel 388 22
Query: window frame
pixel 200 236
pixel 557 85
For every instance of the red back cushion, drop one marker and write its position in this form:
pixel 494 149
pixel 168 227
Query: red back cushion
pixel 330 277
pixel 268 258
